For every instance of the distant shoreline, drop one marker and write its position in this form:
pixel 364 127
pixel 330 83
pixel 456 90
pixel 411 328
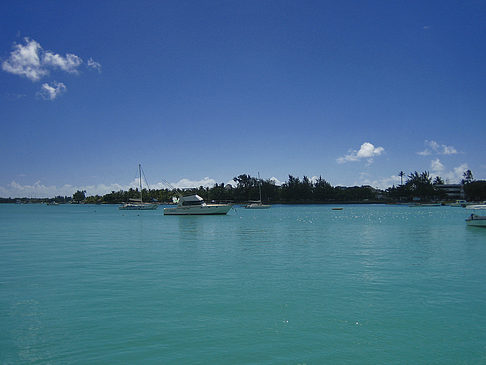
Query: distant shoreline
pixel 370 202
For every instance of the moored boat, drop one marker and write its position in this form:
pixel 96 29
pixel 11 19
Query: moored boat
pixel 476 220
pixel 477 206
pixel 138 204
pixel 195 205
pixel 258 204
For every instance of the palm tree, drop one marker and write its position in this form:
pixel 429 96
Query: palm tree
pixel 401 174
pixel 438 181
pixel 468 177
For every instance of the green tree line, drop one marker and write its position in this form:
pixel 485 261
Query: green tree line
pixel 295 190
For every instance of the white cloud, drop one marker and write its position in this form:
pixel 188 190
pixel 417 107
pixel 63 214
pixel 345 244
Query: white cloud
pixel 25 60
pixel 276 181
pixel 379 183
pixel 70 63
pixel 51 92
pixel 432 147
pixel 36 190
pixel 366 151
pixel 39 190
pixel 425 152
pixel 94 65
pixel 31 61
pixel 436 166
pixel 448 150
pixel 456 175
pixel 188 183
pixel 453 176
pixel 181 184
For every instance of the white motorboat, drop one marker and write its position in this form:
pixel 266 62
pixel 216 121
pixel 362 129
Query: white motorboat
pixel 476 206
pixel 257 204
pixel 476 220
pixel 138 204
pixel 195 205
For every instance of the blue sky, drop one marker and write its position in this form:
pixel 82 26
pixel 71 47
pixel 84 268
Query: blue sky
pixel 202 91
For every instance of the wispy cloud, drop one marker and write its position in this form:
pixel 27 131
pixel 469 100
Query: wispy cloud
pixel 186 183
pixel 94 65
pixel 14 96
pixel 452 176
pixel 367 151
pixel 69 63
pixel 40 190
pixel 36 190
pixel 51 92
pixel 436 166
pixel 432 147
pixel 456 174
pixel 31 61
pixel 379 183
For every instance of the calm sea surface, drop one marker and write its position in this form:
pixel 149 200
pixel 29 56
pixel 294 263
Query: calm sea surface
pixel 289 285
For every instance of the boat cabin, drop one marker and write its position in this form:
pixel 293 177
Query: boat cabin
pixel 191 200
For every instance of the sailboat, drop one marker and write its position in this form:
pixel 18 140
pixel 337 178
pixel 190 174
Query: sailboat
pixel 138 204
pixel 257 204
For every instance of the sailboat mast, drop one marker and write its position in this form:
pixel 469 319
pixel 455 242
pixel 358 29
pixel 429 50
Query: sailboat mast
pixel 140 175
pixel 260 187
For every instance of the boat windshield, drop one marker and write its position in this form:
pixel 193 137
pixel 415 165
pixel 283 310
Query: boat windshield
pixel 192 202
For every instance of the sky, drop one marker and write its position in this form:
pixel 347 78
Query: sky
pixel 199 92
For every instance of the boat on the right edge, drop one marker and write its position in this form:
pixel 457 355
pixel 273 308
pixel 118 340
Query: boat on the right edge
pixel 481 205
pixel 475 220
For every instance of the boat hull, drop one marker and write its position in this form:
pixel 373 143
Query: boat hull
pixel 216 209
pixel 476 206
pixel 476 221
pixel 138 207
pixel 257 206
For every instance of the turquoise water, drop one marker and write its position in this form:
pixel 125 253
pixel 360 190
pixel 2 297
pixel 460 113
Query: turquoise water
pixel 289 285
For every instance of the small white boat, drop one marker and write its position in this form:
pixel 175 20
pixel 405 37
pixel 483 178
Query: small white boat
pixel 476 220
pixel 138 204
pixel 195 205
pixel 476 206
pixel 257 204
